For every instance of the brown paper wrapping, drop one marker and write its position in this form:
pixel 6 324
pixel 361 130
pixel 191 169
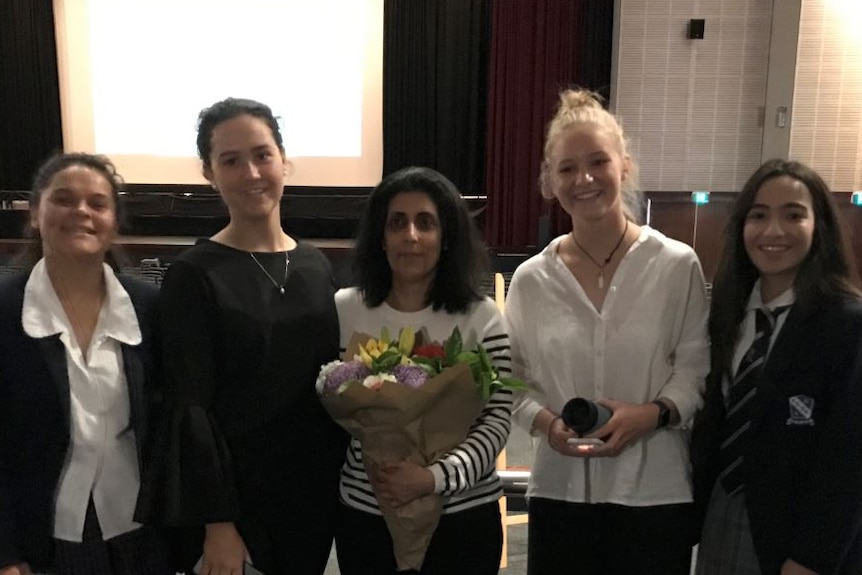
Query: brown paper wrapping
pixel 419 425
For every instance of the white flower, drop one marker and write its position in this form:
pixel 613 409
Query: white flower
pixel 374 381
pixel 324 373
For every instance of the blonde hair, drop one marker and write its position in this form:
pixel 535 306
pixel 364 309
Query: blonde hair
pixel 583 107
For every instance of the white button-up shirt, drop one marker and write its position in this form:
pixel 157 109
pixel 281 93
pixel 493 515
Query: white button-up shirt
pixel 102 458
pixel 648 341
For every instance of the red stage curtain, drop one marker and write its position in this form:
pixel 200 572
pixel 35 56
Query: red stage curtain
pixel 538 48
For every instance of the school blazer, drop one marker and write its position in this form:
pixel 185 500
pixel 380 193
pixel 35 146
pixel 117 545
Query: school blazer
pixel 804 469
pixel 35 417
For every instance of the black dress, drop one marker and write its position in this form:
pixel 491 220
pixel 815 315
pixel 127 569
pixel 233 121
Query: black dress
pixel 247 440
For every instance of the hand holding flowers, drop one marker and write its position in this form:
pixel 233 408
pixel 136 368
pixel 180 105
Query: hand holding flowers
pixel 397 483
pixel 408 403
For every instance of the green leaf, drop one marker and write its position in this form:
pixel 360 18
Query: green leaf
pixel 384 335
pixel 486 388
pixel 387 360
pixel 476 370
pixel 513 383
pixel 485 360
pixel 430 365
pixel 453 346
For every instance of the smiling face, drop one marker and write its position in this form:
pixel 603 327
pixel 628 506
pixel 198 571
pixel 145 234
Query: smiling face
pixel 76 215
pixel 778 232
pixel 587 172
pixel 246 167
pixel 412 239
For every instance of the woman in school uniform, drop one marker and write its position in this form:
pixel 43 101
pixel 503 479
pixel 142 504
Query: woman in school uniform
pixel 78 388
pixel 777 449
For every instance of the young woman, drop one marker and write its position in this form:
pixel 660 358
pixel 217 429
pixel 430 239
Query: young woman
pixel 248 319
pixel 78 385
pixel 419 262
pixel 615 312
pixel 777 450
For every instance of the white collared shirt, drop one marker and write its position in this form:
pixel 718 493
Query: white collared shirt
pixel 102 458
pixel 748 328
pixel 649 340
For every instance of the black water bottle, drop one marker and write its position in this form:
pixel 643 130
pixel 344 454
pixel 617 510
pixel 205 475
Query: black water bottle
pixel 584 416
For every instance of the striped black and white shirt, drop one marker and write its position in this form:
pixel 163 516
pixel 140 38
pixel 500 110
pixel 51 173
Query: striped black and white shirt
pixel 466 476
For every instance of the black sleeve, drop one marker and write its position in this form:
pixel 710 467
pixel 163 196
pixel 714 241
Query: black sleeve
pixel 193 482
pixel 9 553
pixel 829 504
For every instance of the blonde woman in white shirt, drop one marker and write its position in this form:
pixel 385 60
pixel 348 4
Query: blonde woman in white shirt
pixel 77 375
pixel 614 312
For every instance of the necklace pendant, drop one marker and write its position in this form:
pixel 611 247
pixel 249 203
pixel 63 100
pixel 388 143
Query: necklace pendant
pixel 602 279
pixel 281 290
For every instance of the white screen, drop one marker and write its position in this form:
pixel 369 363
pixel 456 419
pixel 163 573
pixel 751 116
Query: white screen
pixel 135 73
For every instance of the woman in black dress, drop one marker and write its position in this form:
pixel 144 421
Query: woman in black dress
pixel 248 319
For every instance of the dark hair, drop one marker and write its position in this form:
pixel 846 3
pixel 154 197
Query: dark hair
pixel 463 257
pixel 45 174
pixel 826 270
pixel 225 110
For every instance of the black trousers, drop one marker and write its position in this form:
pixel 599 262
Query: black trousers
pixel 606 539
pixel 468 542
pixel 285 546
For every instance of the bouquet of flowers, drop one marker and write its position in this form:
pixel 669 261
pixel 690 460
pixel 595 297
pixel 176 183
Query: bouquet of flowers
pixel 405 400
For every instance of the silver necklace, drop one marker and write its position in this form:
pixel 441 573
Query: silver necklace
pixel 279 287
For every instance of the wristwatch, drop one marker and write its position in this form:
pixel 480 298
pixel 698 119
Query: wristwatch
pixel 663 414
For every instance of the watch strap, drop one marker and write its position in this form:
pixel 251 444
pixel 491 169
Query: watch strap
pixel 663 414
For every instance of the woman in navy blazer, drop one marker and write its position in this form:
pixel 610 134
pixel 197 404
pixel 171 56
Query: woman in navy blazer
pixel 797 508
pixel 78 373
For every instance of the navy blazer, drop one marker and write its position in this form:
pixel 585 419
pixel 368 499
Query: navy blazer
pixel 803 474
pixel 35 417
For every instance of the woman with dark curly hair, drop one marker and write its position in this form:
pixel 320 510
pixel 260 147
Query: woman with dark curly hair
pixel 79 382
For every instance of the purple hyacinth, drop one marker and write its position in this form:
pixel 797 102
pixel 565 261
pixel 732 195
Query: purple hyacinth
pixel 347 371
pixel 409 375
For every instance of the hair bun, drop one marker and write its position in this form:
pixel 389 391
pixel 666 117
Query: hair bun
pixel 573 99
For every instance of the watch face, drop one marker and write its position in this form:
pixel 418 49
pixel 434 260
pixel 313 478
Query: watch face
pixel 664 416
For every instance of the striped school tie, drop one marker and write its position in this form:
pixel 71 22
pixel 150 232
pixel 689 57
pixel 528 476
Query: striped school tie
pixel 736 434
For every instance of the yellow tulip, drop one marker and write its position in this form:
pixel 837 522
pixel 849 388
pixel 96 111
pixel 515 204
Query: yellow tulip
pixel 406 340
pixel 364 356
pixel 371 346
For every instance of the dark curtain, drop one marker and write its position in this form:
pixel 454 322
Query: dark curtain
pixel 594 28
pixel 538 47
pixel 30 127
pixel 435 87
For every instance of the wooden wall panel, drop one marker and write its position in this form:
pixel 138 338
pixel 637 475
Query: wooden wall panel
pixel 673 214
